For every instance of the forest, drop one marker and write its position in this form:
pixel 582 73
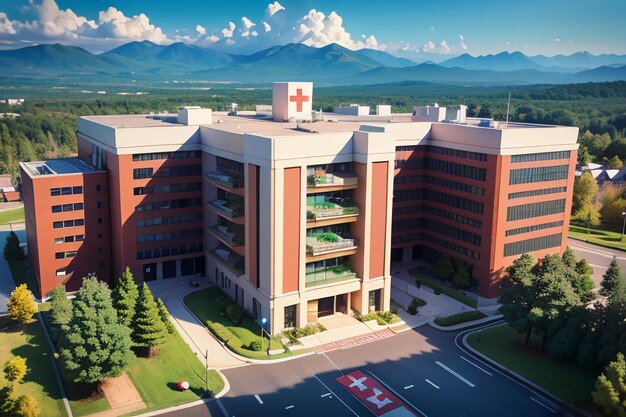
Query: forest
pixel 46 127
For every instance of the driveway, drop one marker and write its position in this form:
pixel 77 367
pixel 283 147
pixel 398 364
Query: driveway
pixel 6 278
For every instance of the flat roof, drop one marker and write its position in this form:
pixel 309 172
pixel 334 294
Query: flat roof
pixel 134 120
pixel 57 167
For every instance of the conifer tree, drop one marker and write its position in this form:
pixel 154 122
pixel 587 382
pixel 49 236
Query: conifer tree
pixel 165 316
pixel 610 279
pixel 149 330
pixel 610 392
pixel 125 296
pixel 21 305
pixel 443 268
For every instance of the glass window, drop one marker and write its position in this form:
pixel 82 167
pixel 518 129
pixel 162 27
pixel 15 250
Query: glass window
pixel 58 240
pixel 290 316
pixel 59 255
pixel 80 238
pixel 78 206
pixel 66 190
pixel 68 223
pixel 69 239
pixel 57 209
pixel 68 207
pixel 79 222
pixel 77 190
pixel 57 225
pixel 70 254
pixel 55 192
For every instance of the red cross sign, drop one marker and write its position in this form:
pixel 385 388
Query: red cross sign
pixel 299 99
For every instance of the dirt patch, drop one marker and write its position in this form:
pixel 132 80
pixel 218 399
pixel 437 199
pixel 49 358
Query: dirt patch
pixel 121 392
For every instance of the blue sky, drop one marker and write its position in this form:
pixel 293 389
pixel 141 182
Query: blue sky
pixel 413 28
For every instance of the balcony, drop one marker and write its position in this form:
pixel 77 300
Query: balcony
pixel 329 275
pixel 228 259
pixel 230 234
pixel 331 181
pixel 231 208
pixel 330 210
pixel 232 182
pixel 325 243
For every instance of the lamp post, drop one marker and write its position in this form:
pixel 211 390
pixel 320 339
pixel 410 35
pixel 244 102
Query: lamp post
pixel 263 322
pixel 623 225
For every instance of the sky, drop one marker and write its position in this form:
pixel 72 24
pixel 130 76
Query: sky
pixel 416 29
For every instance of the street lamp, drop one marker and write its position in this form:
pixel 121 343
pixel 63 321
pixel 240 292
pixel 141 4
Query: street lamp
pixel 263 323
pixel 623 225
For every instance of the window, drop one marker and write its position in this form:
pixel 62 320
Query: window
pixel 69 239
pixel 290 316
pixel 80 238
pixel 79 222
pixel 545 156
pixel 140 173
pixel 98 187
pixel 57 225
pixel 70 254
pixel 98 204
pixel 540 174
pixel 68 207
pixel 55 192
pixel 77 190
pixel 256 309
pixel 527 229
pixel 533 193
pixel 527 211
pixel 457 153
pixel 166 155
pixel 439 198
pixel 66 191
pixel 78 206
pixel 530 245
pixel 428 179
pixel 58 240
pixel 59 255
pixel 99 220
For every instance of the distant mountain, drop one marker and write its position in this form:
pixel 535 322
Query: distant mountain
pixel 579 60
pixel 189 55
pixel 386 59
pixel 504 61
pixel 601 74
pixel 136 50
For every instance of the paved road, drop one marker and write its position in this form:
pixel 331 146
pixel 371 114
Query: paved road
pixel 426 368
pixel 598 257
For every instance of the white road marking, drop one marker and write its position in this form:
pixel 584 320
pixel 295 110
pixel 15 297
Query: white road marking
pixel 258 398
pixel 598 266
pixel 598 252
pixel 455 374
pixel 473 364
pixel 333 363
pixel 325 395
pixel 289 407
pixel 543 405
pixel 431 383
pixel 408 386
pixel 320 381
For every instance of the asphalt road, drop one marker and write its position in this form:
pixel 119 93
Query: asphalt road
pixel 427 369
pixel 598 257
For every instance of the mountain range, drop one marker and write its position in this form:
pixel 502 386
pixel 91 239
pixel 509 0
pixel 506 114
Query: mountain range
pixel 330 65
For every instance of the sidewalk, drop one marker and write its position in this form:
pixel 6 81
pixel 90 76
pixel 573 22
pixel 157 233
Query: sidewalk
pixel 195 334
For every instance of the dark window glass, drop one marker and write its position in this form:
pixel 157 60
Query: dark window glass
pixel 77 190
pixel 66 190
pixel 79 222
pixel 57 225
pixel 55 192
pixel 69 239
pixel 290 316
pixel 57 209
pixel 530 245
pixel 78 206
pixel 68 207
pixel 59 255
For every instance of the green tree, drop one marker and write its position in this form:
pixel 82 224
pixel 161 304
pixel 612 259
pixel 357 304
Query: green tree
pixel 94 346
pixel 461 277
pixel 519 295
pixel 12 249
pixel 443 268
pixel 26 406
pixel 149 330
pixel 15 369
pixel 584 157
pixel 610 279
pixel 585 190
pixel 60 307
pixel 125 295
pixel 611 213
pixel 569 258
pixel 21 305
pixel 583 268
pixel 610 388
pixel 165 316
pixel 614 162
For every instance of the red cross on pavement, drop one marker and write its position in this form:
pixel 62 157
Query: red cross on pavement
pixel 299 99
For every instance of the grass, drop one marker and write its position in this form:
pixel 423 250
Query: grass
pixel 40 381
pixel 155 378
pixel 450 292
pixel 11 216
pixel 597 236
pixel 86 407
pixel 22 274
pixel 208 305
pixel 459 318
pixel 566 380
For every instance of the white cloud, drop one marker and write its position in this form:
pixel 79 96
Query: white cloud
pixel 228 32
pixel 444 47
pixel 6 25
pixel 317 29
pixel 428 46
pixel 557 40
pixel 114 23
pixel 462 43
pixel 267 26
pixel 247 25
pixel 201 30
pixel 273 8
pixel 57 22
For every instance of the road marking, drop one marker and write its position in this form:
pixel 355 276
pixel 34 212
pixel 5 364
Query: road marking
pixel 325 395
pixel 258 398
pixel 289 407
pixel 455 374
pixel 333 363
pixel 598 252
pixel 543 405
pixel 598 266
pixel 408 386
pixel 326 386
pixel 473 364
pixel 431 383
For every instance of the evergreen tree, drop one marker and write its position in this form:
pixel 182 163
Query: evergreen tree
pixel 569 258
pixel 461 277
pixel 443 268
pixel 94 346
pixel 60 307
pixel 21 305
pixel 610 388
pixel 165 316
pixel 610 279
pixel 149 330
pixel 125 296
pixel 12 249
pixel 15 369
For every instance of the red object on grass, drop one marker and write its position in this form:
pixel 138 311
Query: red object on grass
pixel 183 385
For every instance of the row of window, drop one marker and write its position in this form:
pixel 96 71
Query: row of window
pixel 68 223
pixel 441 198
pixel 65 191
pixel 63 255
pixel 67 207
pixel 177 171
pixel 438 227
pixel 166 155
pixel 170 204
pixel 532 193
pixel 442 182
pixel 177 234
pixel 527 211
pixel 457 153
pixel 410 148
pixel 445 167
pixel 171 251
pixel 527 229
pixel 530 245
pixel 545 156
pixel 229 165
pixel 168 188
pixel 69 239
pixel 169 220
pixel 436 241
pixel 423 208
pixel 539 174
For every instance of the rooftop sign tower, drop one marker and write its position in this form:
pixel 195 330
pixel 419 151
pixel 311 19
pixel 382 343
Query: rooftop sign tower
pixel 292 101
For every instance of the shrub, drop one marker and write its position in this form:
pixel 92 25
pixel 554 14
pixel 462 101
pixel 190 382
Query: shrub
pixel 256 345
pixel 307 330
pixel 235 313
pixel 459 318
pixel 220 331
pixel 437 290
pixel 328 237
pixel 414 305
pixel 235 344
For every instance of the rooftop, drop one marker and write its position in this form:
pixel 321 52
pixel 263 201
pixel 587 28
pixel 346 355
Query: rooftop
pixel 57 167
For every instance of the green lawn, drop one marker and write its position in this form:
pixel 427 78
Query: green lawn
pixel 566 380
pixel 460 318
pixel 206 304
pixel 450 292
pixel 156 378
pixel 86 407
pixel 600 237
pixel 40 381
pixel 11 216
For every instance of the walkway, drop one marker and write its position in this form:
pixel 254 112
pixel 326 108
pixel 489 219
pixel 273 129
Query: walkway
pixel 195 334
pixel 6 277
pixel 122 396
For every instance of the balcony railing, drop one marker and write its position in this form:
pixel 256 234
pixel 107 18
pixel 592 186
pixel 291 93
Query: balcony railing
pixel 228 180
pixel 331 179
pixel 232 235
pixel 229 259
pixel 231 207
pixel 329 275
pixel 321 211
pixel 327 242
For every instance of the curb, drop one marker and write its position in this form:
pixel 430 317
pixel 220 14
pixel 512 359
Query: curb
pixel 596 244
pixel 466 325
pixel 570 409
